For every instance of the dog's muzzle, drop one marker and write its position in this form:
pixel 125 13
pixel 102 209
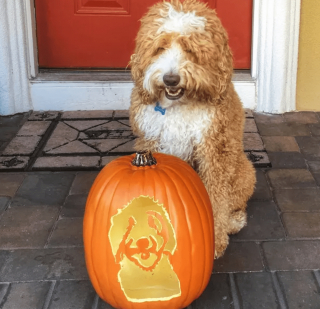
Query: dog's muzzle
pixel 172 90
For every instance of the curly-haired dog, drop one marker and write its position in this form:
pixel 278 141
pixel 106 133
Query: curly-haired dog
pixel 184 104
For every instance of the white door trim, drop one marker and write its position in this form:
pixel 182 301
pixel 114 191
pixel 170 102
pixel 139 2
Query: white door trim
pixel 271 88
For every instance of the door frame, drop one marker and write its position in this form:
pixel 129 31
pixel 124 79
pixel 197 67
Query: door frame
pixel 270 87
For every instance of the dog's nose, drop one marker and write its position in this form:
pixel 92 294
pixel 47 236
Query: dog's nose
pixel 171 79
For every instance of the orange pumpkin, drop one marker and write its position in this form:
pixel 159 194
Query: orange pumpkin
pixel 148 233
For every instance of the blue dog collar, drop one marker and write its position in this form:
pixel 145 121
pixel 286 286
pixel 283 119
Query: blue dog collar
pixel 158 108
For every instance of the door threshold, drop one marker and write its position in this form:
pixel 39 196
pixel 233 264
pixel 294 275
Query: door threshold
pixel 64 75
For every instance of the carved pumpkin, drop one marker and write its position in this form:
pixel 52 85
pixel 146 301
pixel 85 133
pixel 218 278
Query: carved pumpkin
pixel 148 233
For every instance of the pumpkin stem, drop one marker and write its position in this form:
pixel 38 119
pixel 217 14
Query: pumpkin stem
pixel 144 158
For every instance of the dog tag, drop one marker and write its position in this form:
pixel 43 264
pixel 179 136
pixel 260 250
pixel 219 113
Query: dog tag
pixel 158 108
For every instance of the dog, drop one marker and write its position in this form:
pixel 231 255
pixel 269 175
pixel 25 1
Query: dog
pixel 184 103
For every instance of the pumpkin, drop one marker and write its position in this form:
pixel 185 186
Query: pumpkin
pixel 148 233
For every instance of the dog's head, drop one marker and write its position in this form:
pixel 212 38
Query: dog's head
pixel 181 54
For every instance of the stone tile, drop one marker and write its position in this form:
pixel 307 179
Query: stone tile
pixel 258 159
pixel 315 129
pixel 3 291
pixel 127 147
pixel 315 170
pixel 107 145
pixel 292 255
pixel 103 305
pixel 300 289
pixel 268 118
pixel 250 125
pixel 239 257
pixel 44 264
pixel 72 294
pixel 103 134
pixel 256 290
pixel 252 141
pixel 291 178
pixel 7 133
pixel 301 117
pixel 263 223
pixel 34 128
pixel 22 145
pixel 106 160
pixel 112 125
pixel 82 125
pixel 61 135
pixel 12 121
pixel 82 182
pixel 43 116
pixel 248 113
pixel 121 114
pixel 69 162
pixel 9 183
pixel 26 227
pixel 283 129
pixel 302 225
pixel 298 199
pixel 287 160
pixel 16 163
pixel 75 147
pixel 87 114
pixel 125 122
pixel 262 189
pixel 3 257
pixel 67 233
pixel 74 206
pixel 310 147
pixel 216 295
pixel 28 295
pixel 43 189
pixel 4 202
pixel 280 144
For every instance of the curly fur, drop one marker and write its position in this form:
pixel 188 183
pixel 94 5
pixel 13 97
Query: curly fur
pixel 205 126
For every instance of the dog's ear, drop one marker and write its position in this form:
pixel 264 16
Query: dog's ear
pixel 135 72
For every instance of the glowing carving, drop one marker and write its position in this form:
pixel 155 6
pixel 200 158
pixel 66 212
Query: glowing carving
pixel 143 240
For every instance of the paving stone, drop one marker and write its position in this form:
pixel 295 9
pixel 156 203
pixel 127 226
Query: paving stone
pixel 75 147
pixel 239 257
pixel 106 160
pixel 103 305
pixel 68 232
pixel 258 159
pixel 15 163
pixel 3 258
pixel 310 147
pixel 298 199
pixel 82 125
pixel 43 116
pixel 268 118
pixel 263 223
pixel 292 255
pixel 250 126
pixel 72 294
pixel 103 134
pixel 9 183
pixel 287 160
pixel 300 289
pixel 87 114
pixel 302 225
pixel 34 128
pixel 248 113
pixel 43 189
pixel 107 144
pixel 22 145
pixel 74 206
pixel 4 201
pixel 315 170
pixel 44 264
pixel 27 295
pixel 280 144
pixel 125 122
pixel 301 117
pixel 252 141
pixel 26 227
pixel 61 135
pixel 66 162
pixel 291 178
pixel 262 189
pixel 82 182
pixel 3 291
pixel 127 147
pixel 7 133
pixel 12 121
pixel 315 129
pixel 256 291
pixel 121 114
pixel 112 125
pixel 284 129
pixel 216 295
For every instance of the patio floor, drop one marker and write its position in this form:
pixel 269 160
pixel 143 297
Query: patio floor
pixel 48 162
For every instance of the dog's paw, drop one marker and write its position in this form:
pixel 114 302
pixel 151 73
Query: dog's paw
pixel 237 221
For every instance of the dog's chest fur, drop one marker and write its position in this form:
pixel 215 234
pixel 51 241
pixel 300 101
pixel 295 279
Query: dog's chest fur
pixel 178 131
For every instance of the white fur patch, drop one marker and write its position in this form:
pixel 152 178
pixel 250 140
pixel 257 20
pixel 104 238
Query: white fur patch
pixel 183 23
pixel 178 131
pixel 168 62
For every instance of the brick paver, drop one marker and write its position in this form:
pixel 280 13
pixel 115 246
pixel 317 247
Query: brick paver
pixel 271 263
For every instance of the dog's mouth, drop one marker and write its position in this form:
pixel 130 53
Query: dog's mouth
pixel 174 93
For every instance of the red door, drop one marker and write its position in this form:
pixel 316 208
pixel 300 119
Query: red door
pixel 100 33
